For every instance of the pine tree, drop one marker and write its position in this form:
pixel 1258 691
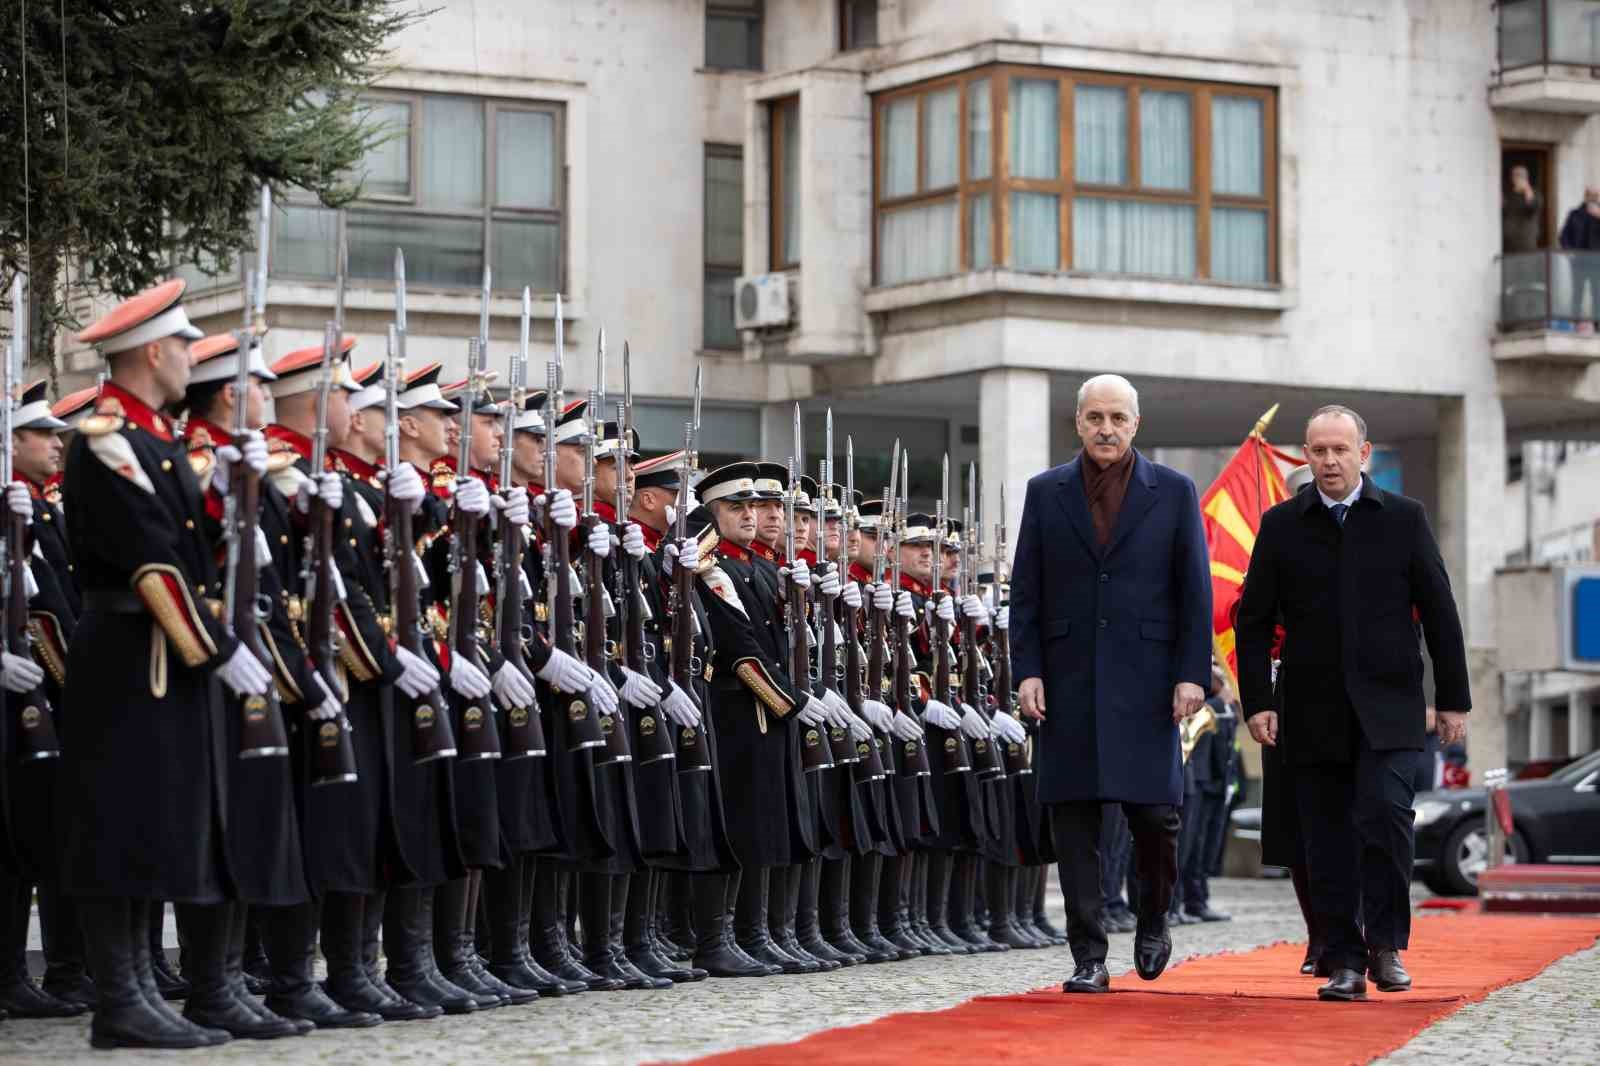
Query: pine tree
pixel 136 133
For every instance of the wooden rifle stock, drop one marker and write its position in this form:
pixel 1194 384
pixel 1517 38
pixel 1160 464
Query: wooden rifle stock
pixel 261 730
pixel 841 746
pixel 655 739
pixel 985 752
pixel 333 757
pixel 614 727
pixel 524 727
pixel 957 756
pixel 432 735
pixel 693 756
pixel 36 734
pixel 815 753
pixel 479 734
pixel 583 720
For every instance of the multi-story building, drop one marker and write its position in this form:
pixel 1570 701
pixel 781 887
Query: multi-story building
pixel 972 206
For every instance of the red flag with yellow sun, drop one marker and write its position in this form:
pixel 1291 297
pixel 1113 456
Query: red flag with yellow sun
pixel 1231 511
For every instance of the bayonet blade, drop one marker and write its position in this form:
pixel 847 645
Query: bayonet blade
pixel 263 244
pixel 342 269
pixel 600 375
pixel 483 318
pixel 399 291
pixel 799 456
pixel 698 375
pixel 827 468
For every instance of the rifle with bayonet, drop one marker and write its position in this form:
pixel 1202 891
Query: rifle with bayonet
pixel 986 761
pixel 869 756
pixel 840 743
pixel 685 666
pixel 432 735
pixel 479 733
pixel 878 621
pixel 815 746
pixel 911 756
pixel 333 756
pixel 598 647
pixel 524 727
pixel 37 733
pixel 1018 757
pixel 957 754
pixel 583 720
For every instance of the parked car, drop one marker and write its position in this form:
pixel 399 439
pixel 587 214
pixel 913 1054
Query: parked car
pixel 1556 820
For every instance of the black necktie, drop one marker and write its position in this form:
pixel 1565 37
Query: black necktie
pixel 1339 510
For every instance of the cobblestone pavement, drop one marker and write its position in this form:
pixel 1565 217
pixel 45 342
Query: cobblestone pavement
pixel 1552 1019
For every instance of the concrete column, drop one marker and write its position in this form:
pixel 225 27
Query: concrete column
pixel 1014 438
pixel 1580 722
pixel 1539 738
pixel 1471 498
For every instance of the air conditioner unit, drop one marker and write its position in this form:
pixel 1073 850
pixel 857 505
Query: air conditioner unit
pixel 761 301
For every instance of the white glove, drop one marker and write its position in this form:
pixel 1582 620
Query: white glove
pixel 467 678
pixel 226 455
pixel 511 687
pixel 639 691
pixel 799 573
pixel 327 487
pixel 472 496
pixel 837 709
pixel 878 714
pixel 679 708
pixel 514 505
pixel 242 673
pixel 851 593
pixel 685 552
pixel 860 729
pixel 882 597
pixel 943 607
pixel 633 540
pixel 19 673
pixel 1002 617
pixel 328 708
pixel 828 583
pixel 600 540
pixel 973 607
pixel 602 695
pixel 564 673
pixel 905 727
pixel 941 715
pixel 560 507
pixel 1007 728
pixel 19 500
pixel 813 712
pixel 418 677
pixel 405 485
pixel 903 605
pixel 973 724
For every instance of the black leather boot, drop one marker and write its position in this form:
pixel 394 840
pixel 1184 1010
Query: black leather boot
pixel 66 976
pixel 408 932
pixel 141 936
pixel 638 924
pixel 833 908
pixel 675 932
pixel 1020 884
pixel 921 927
pixel 475 930
pixel 617 931
pixel 548 934
pixel 289 935
pixel 449 951
pixel 257 968
pixel 1041 919
pixel 234 972
pixel 213 1003
pixel 543 981
pixel 808 917
pixel 751 916
pixel 19 996
pixel 502 907
pixel 349 983
pixel 714 951
pixel 963 892
pixel 998 891
pixel 783 904
pixel 894 888
pixel 940 870
pixel 118 948
pixel 169 983
pixel 865 875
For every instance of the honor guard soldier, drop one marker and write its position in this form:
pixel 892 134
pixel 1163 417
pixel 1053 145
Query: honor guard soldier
pixel 139 703
pixel 32 860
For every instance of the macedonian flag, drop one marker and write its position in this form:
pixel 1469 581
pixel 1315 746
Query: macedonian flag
pixel 1231 511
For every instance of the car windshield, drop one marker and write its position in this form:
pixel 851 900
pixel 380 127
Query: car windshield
pixel 1578 770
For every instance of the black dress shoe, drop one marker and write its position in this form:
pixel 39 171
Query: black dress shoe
pixel 1088 977
pixel 78 988
pixel 1387 972
pixel 720 960
pixel 237 1018
pixel 1152 947
pixel 1205 913
pixel 21 998
pixel 1346 985
pixel 1308 967
pixel 168 983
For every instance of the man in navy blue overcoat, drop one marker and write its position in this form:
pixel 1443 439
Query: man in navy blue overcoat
pixel 1111 638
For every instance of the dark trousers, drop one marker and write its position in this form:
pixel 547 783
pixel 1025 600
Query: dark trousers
pixel 1116 845
pixel 1209 814
pixel 1357 823
pixel 1076 829
pixel 1190 837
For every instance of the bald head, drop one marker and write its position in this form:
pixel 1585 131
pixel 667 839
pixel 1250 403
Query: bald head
pixel 1108 417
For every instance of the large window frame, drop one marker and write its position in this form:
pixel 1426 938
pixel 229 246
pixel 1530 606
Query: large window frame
pixel 784 118
pixel 999 183
pixel 492 210
pixel 751 16
pixel 718 270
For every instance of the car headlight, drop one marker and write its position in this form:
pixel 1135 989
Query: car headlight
pixel 1430 811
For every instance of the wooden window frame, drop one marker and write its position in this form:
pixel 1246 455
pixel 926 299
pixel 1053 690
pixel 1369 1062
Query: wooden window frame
pixel 778 116
pixel 846 10
pixel 756 15
pixel 1065 186
pixel 708 265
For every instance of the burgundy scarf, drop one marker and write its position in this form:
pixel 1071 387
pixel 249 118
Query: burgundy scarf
pixel 1105 488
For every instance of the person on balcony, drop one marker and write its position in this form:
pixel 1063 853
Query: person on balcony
pixel 1519 214
pixel 1581 233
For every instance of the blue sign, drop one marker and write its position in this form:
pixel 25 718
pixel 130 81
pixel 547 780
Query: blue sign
pixel 1586 619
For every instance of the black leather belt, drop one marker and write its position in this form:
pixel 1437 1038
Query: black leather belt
pixel 113 601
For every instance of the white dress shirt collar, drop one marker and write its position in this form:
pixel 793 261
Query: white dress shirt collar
pixel 1348 501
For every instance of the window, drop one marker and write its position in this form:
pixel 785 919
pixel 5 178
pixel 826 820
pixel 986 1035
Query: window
pixel 460 182
pixel 1098 173
pixel 724 242
pixel 733 34
pixel 727 433
pixel 785 116
pixel 858 24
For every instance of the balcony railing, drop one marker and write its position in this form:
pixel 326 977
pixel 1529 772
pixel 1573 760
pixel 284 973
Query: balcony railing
pixel 1550 290
pixel 1549 33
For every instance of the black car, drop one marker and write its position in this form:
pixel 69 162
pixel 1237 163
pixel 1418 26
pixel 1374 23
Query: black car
pixel 1557 820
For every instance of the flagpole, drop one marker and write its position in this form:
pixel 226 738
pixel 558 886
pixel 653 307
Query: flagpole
pixel 1259 436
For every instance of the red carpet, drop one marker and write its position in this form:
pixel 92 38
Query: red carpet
pixel 1251 1007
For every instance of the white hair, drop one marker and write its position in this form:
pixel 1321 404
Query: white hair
pixel 1116 380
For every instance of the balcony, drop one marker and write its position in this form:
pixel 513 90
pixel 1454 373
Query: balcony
pixel 1549 302
pixel 1549 56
